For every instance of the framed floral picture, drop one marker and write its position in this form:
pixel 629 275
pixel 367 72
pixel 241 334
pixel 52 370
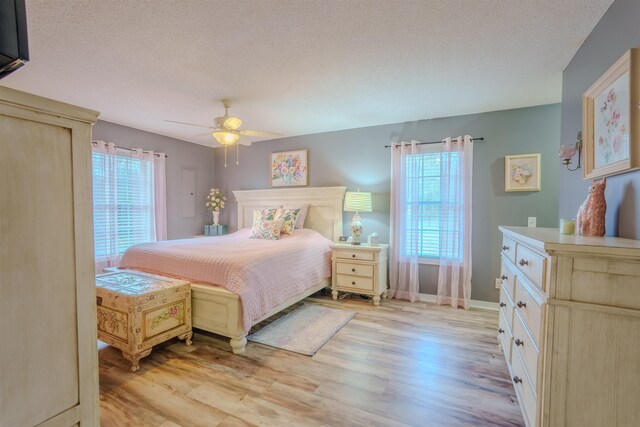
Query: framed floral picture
pixel 522 172
pixel 289 168
pixel 610 120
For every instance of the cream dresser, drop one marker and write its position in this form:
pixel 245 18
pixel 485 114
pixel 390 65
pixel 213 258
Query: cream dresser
pixel 570 326
pixel 359 269
pixel 48 359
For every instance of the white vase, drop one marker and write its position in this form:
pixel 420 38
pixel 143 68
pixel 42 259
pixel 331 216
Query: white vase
pixel 216 217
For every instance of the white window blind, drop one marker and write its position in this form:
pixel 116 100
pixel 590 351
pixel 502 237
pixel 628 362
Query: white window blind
pixel 423 201
pixel 122 203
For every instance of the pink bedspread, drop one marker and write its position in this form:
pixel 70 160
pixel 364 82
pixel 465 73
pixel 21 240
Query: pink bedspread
pixel 263 273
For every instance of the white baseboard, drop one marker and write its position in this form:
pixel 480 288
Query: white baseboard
pixel 485 305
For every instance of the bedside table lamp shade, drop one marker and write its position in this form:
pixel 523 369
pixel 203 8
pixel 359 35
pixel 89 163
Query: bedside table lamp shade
pixel 357 201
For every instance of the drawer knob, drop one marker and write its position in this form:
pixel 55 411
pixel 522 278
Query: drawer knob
pixel 503 277
pixel 523 262
pixel 500 331
pixel 517 379
pixel 353 270
pixel 518 341
pixel 521 304
pixel 353 255
pixel 503 304
pixel 353 283
pixel 505 248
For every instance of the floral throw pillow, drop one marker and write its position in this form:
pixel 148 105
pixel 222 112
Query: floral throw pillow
pixel 289 217
pixel 267 224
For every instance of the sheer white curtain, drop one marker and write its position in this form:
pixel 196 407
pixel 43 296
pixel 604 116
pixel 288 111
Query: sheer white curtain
pixel 456 174
pixel 405 216
pixel 129 200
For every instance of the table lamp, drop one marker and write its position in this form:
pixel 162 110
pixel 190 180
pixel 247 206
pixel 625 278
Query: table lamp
pixel 356 201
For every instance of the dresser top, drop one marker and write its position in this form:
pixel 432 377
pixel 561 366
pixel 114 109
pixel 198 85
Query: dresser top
pixel 362 246
pixel 550 239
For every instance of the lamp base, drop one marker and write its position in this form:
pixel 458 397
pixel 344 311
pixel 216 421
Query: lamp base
pixel 356 229
pixel 355 243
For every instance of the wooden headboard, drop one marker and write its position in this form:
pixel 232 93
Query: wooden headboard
pixel 325 206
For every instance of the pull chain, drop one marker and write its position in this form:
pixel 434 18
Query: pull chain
pixel 237 153
pixel 225 156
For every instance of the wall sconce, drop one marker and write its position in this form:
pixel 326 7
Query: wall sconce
pixel 567 151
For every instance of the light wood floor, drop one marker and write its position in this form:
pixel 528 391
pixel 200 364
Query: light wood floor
pixel 397 364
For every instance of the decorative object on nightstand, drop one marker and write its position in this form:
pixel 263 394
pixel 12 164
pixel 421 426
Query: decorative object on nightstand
pixel 138 310
pixel 215 203
pixel 360 270
pixel 373 239
pixel 591 215
pixel 356 201
pixel 215 230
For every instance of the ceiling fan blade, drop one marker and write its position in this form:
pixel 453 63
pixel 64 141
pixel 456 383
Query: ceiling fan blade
pixel 245 142
pixel 259 133
pixel 190 124
pixel 200 135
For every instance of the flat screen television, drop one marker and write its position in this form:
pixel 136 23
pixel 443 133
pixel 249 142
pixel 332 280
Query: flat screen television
pixel 14 50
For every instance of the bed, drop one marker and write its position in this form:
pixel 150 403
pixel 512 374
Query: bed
pixel 218 310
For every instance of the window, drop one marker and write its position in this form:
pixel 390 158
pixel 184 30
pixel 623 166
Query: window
pixel 123 213
pixel 423 202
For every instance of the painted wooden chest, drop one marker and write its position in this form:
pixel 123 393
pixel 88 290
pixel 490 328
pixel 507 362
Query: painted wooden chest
pixel 138 310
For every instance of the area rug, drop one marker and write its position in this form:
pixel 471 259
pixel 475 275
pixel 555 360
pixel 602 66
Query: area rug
pixel 304 330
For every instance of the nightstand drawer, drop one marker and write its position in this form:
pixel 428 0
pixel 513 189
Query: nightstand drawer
pixel 362 255
pixel 354 269
pixel 363 283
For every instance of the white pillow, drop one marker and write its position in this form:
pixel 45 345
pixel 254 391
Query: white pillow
pixel 304 209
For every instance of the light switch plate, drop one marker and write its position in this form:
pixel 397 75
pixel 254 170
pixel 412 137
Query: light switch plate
pixel 531 222
pixel 498 283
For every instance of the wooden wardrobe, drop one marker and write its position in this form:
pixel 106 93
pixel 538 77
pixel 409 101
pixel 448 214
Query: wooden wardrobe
pixel 48 354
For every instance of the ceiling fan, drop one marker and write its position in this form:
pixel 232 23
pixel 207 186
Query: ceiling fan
pixel 226 129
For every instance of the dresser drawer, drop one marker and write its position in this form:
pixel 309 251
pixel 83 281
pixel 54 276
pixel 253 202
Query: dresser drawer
pixel 524 389
pixel 361 283
pixel 524 345
pixel 507 275
pixel 354 269
pixel 509 248
pixel 529 309
pixel 362 255
pixel 532 265
pixel 504 336
pixel 506 307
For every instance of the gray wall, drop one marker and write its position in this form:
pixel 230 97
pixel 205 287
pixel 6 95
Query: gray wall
pixel 357 158
pixel 182 155
pixel 617 31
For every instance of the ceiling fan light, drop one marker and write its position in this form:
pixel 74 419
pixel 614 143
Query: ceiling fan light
pixel 226 138
pixel 232 123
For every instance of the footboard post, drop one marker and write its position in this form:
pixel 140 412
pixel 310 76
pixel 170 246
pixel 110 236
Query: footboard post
pixel 238 344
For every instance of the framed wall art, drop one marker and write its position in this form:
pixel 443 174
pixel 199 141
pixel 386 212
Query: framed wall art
pixel 610 120
pixel 289 168
pixel 522 172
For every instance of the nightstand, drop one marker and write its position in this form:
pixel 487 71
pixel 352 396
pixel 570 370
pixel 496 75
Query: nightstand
pixel 359 269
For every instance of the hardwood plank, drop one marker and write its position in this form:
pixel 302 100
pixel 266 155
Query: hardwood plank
pixel 397 364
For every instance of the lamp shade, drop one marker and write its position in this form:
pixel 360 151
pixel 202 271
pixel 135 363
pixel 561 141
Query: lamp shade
pixel 357 201
pixel 226 137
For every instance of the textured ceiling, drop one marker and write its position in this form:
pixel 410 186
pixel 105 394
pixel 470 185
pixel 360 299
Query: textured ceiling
pixel 299 67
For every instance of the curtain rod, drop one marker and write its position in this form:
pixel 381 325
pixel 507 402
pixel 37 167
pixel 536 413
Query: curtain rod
pixel 437 142
pixel 131 149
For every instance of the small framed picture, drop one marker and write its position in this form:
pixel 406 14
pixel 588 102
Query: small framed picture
pixel 611 120
pixel 343 238
pixel 522 172
pixel 289 168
